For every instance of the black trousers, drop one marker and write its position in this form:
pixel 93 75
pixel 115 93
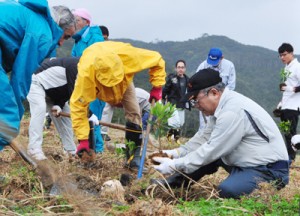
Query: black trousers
pixel 292 116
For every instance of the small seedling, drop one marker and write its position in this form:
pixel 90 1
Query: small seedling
pixel 130 145
pixel 284 74
pixel 285 126
pixel 161 113
pixel 119 151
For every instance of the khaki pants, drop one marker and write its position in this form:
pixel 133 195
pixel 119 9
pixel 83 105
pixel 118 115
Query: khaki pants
pixel 131 106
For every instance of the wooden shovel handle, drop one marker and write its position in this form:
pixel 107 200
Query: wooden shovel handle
pixel 13 144
pixel 111 125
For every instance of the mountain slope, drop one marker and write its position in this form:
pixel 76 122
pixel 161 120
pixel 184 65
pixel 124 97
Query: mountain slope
pixel 257 68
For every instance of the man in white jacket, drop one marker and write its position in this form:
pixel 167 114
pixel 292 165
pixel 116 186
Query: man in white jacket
pixel 240 136
pixel 290 102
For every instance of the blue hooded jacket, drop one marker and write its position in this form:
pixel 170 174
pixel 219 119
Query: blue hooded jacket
pixel 86 37
pixel 28 35
pixel 83 39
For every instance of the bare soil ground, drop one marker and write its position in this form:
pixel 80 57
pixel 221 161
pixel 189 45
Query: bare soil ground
pixel 26 191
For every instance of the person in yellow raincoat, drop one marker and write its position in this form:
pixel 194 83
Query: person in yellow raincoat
pixel 106 71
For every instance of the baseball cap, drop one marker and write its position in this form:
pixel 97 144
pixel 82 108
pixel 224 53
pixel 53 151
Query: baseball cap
pixel 214 56
pixel 201 80
pixel 84 13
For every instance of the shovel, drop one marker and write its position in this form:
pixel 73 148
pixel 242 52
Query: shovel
pixel 111 125
pixel 20 151
pixel 9 133
pixel 144 151
pixel 41 168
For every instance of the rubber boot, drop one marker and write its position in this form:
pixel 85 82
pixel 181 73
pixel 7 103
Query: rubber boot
pixel 135 162
pixel 134 136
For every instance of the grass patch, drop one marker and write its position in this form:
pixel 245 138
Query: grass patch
pixel 244 206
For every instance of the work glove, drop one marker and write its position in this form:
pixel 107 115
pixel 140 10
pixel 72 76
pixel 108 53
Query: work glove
pixel 85 153
pixel 277 111
pixel 166 165
pixel 281 85
pixel 156 94
pixel 83 146
pixel 58 110
pixel 297 89
pixel 94 119
pixel 172 153
pixel 288 88
pixel 295 142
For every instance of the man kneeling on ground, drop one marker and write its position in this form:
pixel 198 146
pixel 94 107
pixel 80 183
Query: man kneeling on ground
pixel 241 137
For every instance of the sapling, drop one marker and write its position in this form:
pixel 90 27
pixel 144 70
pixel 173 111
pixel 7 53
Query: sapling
pixel 285 126
pixel 122 151
pixel 284 75
pixel 161 113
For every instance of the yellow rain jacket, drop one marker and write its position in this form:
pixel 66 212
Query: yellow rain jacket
pixel 105 70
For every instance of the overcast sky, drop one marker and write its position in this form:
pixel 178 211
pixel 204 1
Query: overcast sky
pixel 265 23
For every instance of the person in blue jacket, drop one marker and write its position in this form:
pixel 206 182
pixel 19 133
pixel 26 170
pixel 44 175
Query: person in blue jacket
pixel 85 36
pixel 29 32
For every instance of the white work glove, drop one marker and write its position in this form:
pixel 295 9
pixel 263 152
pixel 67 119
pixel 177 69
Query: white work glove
pixel 296 142
pixel 166 165
pixel 58 110
pixel 172 152
pixel 279 105
pixel 94 119
pixel 288 88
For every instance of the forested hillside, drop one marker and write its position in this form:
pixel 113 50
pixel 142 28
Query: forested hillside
pixel 257 68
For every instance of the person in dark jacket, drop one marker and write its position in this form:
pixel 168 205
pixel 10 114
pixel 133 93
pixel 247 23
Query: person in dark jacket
pixel 51 88
pixel 174 90
pixel 290 103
